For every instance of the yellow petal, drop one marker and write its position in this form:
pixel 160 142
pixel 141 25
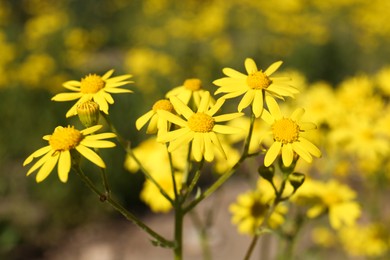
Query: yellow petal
pixel 180 107
pixel 40 162
pixel 257 106
pixel 91 129
pixel 141 121
pixel 272 153
pixel 37 153
pixel 47 167
pixel 233 73
pixel 250 66
pixel 107 75
pixel 97 143
pixel 273 107
pixel 246 100
pixel 64 164
pixel 91 155
pixel 198 147
pixel 287 154
pixel 274 67
pixel 67 96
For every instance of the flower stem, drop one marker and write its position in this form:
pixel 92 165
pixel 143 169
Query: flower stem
pixel 128 215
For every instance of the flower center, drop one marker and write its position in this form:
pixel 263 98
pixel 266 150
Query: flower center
pixel 285 130
pixel 258 209
pixel 193 84
pixel 163 104
pixel 201 122
pixel 65 138
pixel 258 80
pixel 91 84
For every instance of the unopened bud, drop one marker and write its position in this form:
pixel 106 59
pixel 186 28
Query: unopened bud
pixel 296 179
pixel 267 172
pixel 88 113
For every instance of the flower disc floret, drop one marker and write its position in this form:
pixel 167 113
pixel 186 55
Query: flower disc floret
pixel 285 131
pixel 193 84
pixel 92 84
pixel 65 139
pixel 258 80
pixel 163 104
pixel 201 122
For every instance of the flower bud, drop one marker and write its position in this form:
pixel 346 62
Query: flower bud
pixel 296 179
pixel 88 113
pixel 267 172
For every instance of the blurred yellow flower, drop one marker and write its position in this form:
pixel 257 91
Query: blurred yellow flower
pixel 191 88
pixel 200 128
pixel 369 241
pixel 254 85
pixel 152 196
pixel 62 144
pixel 252 207
pixel 287 135
pixel 332 198
pixel 156 122
pixel 94 87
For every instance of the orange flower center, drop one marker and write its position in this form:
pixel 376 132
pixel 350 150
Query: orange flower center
pixel 163 104
pixel 201 122
pixel 258 80
pixel 285 130
pixel 65 138
pixel 91 84
pixel 193 84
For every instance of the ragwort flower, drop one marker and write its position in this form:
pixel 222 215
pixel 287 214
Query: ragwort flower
pixel 200 128
pixel 191 88
pixel 252 207
pixel 254 85
pixel 94 87
pixel 287 137
pixel 156 122
pixel 62 144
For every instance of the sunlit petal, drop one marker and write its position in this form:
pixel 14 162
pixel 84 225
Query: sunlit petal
pixel 63 167
pixel 91 155
pixel 272 153
pixel 250 66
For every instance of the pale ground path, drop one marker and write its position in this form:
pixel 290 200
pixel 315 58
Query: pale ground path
pixel 124 241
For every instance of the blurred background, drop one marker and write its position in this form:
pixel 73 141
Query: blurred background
pixel 44 43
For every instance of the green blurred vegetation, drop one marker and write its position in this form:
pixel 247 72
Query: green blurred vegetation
pixel 44 43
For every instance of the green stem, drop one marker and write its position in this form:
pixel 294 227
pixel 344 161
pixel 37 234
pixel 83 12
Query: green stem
pixel 224 177
pixel 129 216
pixel 179 217
pixel 175 190
pixel 194 180
pixel 127 147
pixel 251 247
pixel 107 188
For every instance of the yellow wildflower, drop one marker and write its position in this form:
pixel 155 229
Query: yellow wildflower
pixel 254 85
pixel 200 128
pixel 62 143
pixel 287 135
pixel 94 87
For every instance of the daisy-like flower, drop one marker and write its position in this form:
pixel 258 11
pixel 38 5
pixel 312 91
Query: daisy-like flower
pixel 62 144
pixel 252 207
pixel 156 122
pixel 254 85
pixel 190 88
pixel 94 87
pixel 199 127
pixel 287 137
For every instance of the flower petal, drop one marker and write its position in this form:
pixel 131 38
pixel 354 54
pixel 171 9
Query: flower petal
pixel 272 153
pixel 246 100
pixel 273 107
pixel 198 147
pixel 208 148
pixel 37 153
pixel 47 167
pixel 67 96
pixel 182 140
pixel 172 118
pixel 227 117
pixel 204 102
pixel 274 67
pixel 103 105
pixel 40 162
pixel 225 129
pixel 91 129
pixel 258 105
pixel 250 66
pixel 97 143
pixel 63 167
pixel 91 155
pixel 107 74
pixel 297 114
pixel 287 154
pixel 180 107
pixel 142 120
pixel 233 73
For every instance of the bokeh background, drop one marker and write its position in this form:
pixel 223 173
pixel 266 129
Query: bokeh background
pixel 44 43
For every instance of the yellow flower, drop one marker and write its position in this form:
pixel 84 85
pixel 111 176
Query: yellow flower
pixel 62 143
pixel 152 196
pixel 254 85
pixel 156 122
pixel 287 135
pixel 252 207
pixel 190 88
pixel 371 241
pixel 94 87
pixel 200 128
pixel 333 198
